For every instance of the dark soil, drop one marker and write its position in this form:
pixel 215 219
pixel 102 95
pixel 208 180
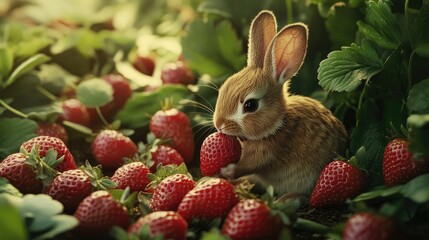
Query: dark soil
pixel 329 217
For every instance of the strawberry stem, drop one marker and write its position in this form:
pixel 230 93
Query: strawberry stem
pixel 310 226
pixel 13 110
pixel 100 115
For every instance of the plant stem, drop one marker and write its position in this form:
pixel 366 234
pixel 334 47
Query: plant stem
pixel 10 108
pixel 101 116
pixel 410 73
pixel 289 11
pixel 46 93
pixel 311 226
pixel 362 95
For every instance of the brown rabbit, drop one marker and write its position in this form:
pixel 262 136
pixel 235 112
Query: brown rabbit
pixel 286 139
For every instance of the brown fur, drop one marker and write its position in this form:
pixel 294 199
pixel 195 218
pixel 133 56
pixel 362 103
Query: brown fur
pixel 289 139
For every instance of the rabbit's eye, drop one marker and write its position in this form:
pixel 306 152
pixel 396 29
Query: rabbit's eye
pixel 251 105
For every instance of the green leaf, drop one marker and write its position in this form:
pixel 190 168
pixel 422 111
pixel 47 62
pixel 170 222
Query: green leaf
pixel 233 10
pixel 61 224
pixel 79 128
pixel 418 97
pixel 31 46
pixel 40 209
pixel 43 113
pixel 344 70
pixel 84 40
pixel 43 216
pixel 417 189
pixel 418 127
pixel 6 187
pixel 26 67
pixel 6 60
pixel 369 133
pixel 94 92
pixel 140 107
pixel 12 226
pixel 213 50
pixel 380 192
pixel 341 25
pixel 380 25
pixel 399 209
pixel 15 131
pixel 418 20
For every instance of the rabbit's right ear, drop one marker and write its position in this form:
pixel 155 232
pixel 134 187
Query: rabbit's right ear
pixel 262 31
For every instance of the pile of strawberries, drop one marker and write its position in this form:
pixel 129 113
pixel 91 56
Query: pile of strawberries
pixel 174 202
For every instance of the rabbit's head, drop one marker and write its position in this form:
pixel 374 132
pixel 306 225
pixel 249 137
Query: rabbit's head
pixel 251 103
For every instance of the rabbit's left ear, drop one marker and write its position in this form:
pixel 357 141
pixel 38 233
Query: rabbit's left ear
pixel 287 52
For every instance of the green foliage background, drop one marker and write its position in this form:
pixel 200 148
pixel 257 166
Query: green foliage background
pixel 367 61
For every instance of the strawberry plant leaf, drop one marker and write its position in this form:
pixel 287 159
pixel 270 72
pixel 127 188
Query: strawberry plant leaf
pixel 132 115
pixel 15 131
pixel 62 223
pixel 40 208
pixel 418 97
pixel 213 49
pixel 43 113
pixel 230 46
pixel 379 192
pixel 6 187
pixel 12 226
pixel 341 25
pixel 44 218
pixel 94 92
pixel 345 69
pixel 6 58
pixel 418 127
pixel 370 134
pixel 26 67
pixel 380 25
pixel 399 209
pixel 418 20
pixel 417 190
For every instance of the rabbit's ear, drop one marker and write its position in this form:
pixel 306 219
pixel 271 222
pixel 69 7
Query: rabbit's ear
pixel 262 31
pixel 287 52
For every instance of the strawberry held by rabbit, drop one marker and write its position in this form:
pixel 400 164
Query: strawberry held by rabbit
pixel 286 139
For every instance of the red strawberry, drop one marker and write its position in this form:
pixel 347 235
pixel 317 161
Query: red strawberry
pixel 74 111
pixel 177 72
pixel 145 65
pixel 169 224
pixel 251 219
pixel 20 173
pixel 174 124
pixel 399 165
pixel 217 151
pixel 367 226
pixel 338 182
pixel 98 213
pixel 121 89
pixel 110 147
pixel 165 155
pixel 170 192
pixel 133 175
pixel 70 188
pixel 53 130
pixel 210 199
pixel 121 93
pixel 46 143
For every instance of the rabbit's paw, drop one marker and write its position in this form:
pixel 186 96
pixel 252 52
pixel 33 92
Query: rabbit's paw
pixel 228 171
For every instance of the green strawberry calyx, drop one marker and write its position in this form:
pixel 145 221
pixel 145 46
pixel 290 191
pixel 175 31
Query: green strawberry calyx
pixel 43 166
pixel 95 174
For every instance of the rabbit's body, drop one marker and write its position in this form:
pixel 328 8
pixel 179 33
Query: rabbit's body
pixel 286 139
pixel 292 158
